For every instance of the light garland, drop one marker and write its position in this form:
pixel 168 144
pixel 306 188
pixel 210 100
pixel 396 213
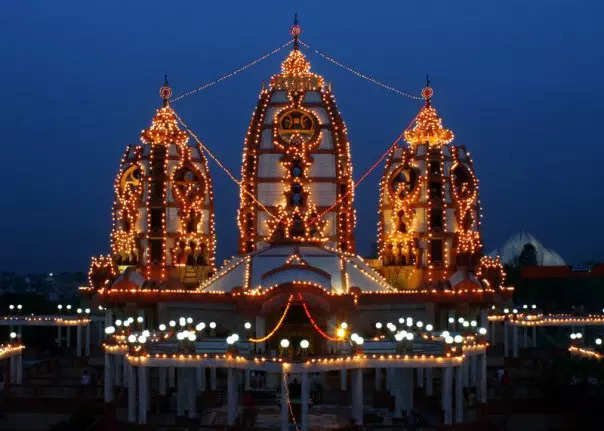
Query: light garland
pixel 314 324
pixel 277 326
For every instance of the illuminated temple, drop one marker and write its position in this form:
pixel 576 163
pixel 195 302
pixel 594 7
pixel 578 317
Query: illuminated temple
pixel 297 301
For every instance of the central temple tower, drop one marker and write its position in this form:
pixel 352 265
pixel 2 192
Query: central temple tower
pixel 296 171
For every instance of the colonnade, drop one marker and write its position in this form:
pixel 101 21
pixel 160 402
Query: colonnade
pixel 399 376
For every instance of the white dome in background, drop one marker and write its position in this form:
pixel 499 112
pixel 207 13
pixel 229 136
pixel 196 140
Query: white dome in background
pixel 512 249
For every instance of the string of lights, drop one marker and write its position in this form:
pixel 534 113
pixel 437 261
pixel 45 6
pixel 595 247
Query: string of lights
pixel 367 172
pixel 362 75
pixel 277 326
pixel 221 165
pixel 289 404
pixel 231 74
pixel 314 324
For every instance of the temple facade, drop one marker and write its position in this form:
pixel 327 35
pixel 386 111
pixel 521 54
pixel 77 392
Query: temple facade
pixel 296 299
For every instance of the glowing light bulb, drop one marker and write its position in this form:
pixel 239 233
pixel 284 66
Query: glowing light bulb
pixel 284 343
pixel 162 327
pixel 304 344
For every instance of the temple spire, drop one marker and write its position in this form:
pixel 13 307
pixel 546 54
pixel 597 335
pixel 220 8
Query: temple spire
pixel 427 91
pixel 165 91
pixel 295 32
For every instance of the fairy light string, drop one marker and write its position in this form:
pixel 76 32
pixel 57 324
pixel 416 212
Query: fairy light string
pixel 361 75
pixel 221 165
pixel 313 323
pixel 277 326
pixel 231 74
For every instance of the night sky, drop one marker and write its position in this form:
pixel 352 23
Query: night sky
pixel 520 83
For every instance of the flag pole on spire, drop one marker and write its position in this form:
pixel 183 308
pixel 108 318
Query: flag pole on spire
pixel 295 32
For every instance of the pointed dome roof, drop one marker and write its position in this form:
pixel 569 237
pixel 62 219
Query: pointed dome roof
pixel 428 126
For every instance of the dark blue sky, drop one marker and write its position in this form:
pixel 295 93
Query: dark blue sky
pixel 520 83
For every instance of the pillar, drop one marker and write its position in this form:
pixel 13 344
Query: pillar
pixel 407 388
pixel 390 376
pixel 87 342
pixel 494 333
pixel 378 379
pixel 284 408
pixel 202 381
pixel 534 336
pixel 482 377
pixel 231 397
pixel 172 377
pixel 397 391
pixel 79 341
pixel 505 339
pixel 474 370
pixel 192 385
pixel 13 370
pixel 484 319
pixel 181 384
pixel 19 363
pixel 163 381
pixel 525 337
pixel 117 365
pixel 420 377
pixel 343 380
pixel 124 371
pixel 68 329
pixel 447 386
pixel 143 394
pixel 108 379
pixel 429 386
pixel 357 396
pixel 305 400
pixel 247 384
pixel 515 340
pixel 458 395
pixel 213 378
pixel 59 335
pixel 260 332
pixel 101 332
pixel 466 373
pixel 131 394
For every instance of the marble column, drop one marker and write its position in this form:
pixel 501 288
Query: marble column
pixel 247 383
pixel 407 388
pixel 68 329
pixel 458 395
pixel 108 378
pixel 515 340
pixel 181 391
pixel 447 388
pixel 473 370
pixel 143 394
pixel 378 379
pixel 87 343
pixel 231 397
pixel 357 396
pixel 213 378
pixel 466 373
pixel 101 332
pixel 305 396
pixel 534 329
pixel 396 389
pixel 19 363
pixel 59 341
pixel 202 380
pixel 172 377
pixel 124 371
pixel 390 376
pixel 420 377
pixel 260 332
pixel 79 341
pixel 505 339
pixel 429 386
pixel 331 329
pixel 131 394
pixel 117 369
pixel 482 373
pixel 163 381
pixel 343 380
pixel 525 337
pixel 13 370
pixel 192 385
pixel 284 407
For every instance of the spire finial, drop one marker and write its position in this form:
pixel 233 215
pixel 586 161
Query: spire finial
pixel 165 91
pixel 427 91
pixel 295 32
